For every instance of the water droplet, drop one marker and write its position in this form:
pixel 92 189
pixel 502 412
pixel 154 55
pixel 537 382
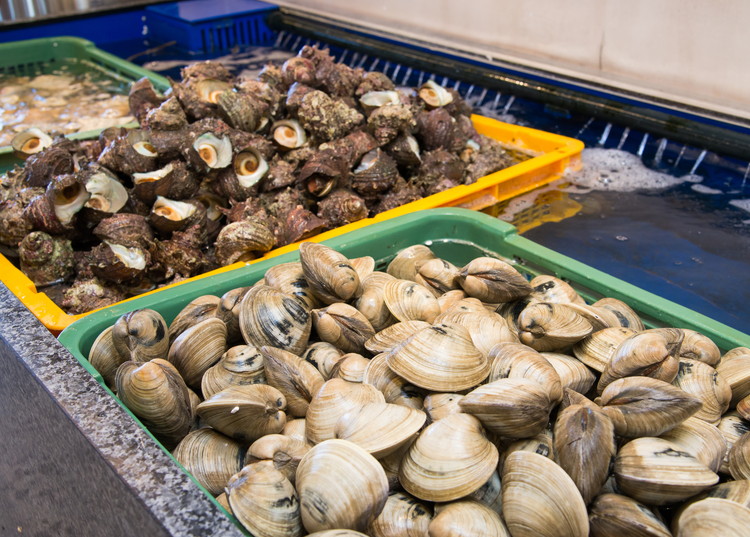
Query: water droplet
pixel 621 238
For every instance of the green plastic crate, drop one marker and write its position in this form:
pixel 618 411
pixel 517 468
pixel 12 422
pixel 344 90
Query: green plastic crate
pixel 40 56
pixel 457 235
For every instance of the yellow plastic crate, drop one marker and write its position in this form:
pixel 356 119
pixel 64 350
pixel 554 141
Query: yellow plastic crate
pixel 554 154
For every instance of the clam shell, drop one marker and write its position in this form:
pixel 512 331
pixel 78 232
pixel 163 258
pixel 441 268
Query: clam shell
pixel 343 326
pixel 642 406
pixel 197 349
pixel 440 405
pixel 295 428
pixel 270 317
pixel 239 365
pixel 229 312
pixel 702 380
pixel 492 280
pixel 408 261
pixel 340 485
pixel 647 353
pixel 210 457
pixel 655 472
pixel 701 439
pixel 712 516
pixel 467 519
pixel 546 288
pixel 440 358
pixel 329 273
pixel 284 451
pixel 515 360
pixel 439 276
pixel 323 356
pixel 597 349
pixel 351 367
pixel 380 428
pixel 516 408
pixel 245 412
pixel 409 301
pixel 290 279
pixel 155 392
pixel 450 459
pixel 402 516
pixel 449 299
pixel 626 316
pixel 395 334
pixel 731 427
pixel 265 502
pixel 572 372
pixel 739 458
pixel 540 499
pixel 541 444
pixel 104 357
pixel 486 328
pixel 550 327
pixel 197 310
pixel 335 398
pixel 141 335
pixel 614 515
pixel 394 388
pixel 585 448
pixel 297 379
pixel 370 302
pixel 490 494
pixel 735 368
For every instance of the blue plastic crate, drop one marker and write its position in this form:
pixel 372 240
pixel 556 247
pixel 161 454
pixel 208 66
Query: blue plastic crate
pixel 210 26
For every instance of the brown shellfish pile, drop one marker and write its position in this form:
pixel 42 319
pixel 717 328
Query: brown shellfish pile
pixel 224 169
pixel 331 398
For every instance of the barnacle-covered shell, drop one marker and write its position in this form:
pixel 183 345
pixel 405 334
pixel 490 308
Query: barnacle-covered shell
pixel 198 348
pixel 327 118
pixel 375 173
pixel 119 263
pixel 297 379
pixel 643 406
pixel 210 457
pixel 440 358
pixel 30 141
pixel 342 207
pixel 540 499
pixel 380 428
pixel 289 134
pixel 155 392
pixel 239 365
pixel 329 273
pixel 270 317
pixel 655 471
pixel 141 335
pixel 245 412
pixel 46 259
pixel 340 486
pixel 451 458
pixel 492 280
pixel 265 502
pixel 243 241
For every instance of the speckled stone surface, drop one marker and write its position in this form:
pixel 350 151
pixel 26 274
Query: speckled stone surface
pixel 173 500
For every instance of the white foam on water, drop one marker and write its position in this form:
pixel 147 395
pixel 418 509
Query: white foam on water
pixel 702 189
pixel 619 171
pixel 741 204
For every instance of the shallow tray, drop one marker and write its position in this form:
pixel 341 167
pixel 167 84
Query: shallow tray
pixel 553 155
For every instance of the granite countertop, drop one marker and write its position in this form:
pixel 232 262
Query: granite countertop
pixel 66 440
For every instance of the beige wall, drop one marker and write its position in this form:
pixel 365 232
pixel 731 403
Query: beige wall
pixel 697 51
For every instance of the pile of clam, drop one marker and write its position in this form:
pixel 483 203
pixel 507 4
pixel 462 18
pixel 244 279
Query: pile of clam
pixel 223 169
pixel 432 400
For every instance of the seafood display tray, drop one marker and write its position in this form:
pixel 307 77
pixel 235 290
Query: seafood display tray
pixel 457 235
pixel 553 155
pixel 34 57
